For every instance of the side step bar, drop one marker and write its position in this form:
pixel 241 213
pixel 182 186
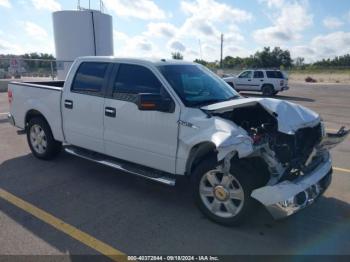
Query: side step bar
pixel 145 172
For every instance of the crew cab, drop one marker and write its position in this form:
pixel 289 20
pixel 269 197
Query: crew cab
pixel 269 82
pixel 162 119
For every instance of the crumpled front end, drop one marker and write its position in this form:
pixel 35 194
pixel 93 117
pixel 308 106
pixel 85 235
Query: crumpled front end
pixel 289 196
pixel 291 141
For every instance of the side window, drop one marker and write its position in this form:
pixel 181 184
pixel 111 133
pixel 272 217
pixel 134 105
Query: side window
pixel 135 79
pixel 89 78
pixel 258 74
pixel 246 74
pixel 274 74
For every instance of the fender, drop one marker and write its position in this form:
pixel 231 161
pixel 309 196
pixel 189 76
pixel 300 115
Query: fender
pixel 223 134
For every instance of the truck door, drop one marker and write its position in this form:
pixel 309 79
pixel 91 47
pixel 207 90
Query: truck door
pixel 144 137
pixel 257 81
pixel 83 106
pixel 243 81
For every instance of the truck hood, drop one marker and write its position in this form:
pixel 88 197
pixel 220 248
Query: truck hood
pixel 290 116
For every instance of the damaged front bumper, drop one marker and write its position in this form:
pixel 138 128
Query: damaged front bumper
pixel 288 197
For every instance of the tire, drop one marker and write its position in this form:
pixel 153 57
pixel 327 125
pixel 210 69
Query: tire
pixel 268 90
pixel 242 176
pixel 40 139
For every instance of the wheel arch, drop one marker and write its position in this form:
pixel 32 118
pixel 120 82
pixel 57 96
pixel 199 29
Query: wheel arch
pixel 198 152
pixel 34 113
pixel 267 84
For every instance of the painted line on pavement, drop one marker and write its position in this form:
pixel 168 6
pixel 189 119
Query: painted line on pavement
pixel 60 225
pixel 3 113
pixel 341 169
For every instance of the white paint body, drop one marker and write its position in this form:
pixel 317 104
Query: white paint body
pixel 151 138
pixel 81 33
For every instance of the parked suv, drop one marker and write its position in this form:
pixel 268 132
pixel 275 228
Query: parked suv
pixel 269 82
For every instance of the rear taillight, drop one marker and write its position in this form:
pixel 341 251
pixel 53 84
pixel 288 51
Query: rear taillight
pixel 10 96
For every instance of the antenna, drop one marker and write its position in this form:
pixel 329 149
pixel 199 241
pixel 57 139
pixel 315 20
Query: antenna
pixel 101 6
pixel 200 48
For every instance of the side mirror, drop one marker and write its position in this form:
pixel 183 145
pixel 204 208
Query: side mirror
pixel 155 102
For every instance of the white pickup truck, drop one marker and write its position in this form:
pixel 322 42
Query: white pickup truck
pixel 269 82
pixel 163 119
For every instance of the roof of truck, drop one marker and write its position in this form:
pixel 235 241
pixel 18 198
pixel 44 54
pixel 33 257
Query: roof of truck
pixel 152 60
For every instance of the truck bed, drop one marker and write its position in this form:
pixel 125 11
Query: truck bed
pixel 43 97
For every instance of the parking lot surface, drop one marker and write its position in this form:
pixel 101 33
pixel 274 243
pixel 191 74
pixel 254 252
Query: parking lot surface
pixel 136 216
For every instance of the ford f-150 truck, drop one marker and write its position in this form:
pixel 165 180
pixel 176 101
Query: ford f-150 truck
pixel 163 119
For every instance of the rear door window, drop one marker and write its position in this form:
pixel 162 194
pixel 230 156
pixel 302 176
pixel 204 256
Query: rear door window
pixel 258 74
pixel 90 78
pixel 274 74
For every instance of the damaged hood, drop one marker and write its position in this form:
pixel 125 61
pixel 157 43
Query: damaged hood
pixel 290 116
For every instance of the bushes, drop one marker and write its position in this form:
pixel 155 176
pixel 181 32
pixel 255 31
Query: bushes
pixel 309 79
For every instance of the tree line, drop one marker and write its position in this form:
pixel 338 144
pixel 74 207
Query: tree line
pixel 42 65
pixel 276 58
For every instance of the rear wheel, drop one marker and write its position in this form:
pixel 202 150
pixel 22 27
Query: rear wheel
pixel 224 198
pixel 40 139
pixel 268 90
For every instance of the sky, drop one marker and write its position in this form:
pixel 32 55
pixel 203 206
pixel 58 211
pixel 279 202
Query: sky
pixel 313 29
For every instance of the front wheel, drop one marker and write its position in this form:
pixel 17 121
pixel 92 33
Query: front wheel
pixel 223 198
pixel 40 139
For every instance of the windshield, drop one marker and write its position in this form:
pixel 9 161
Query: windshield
pixel 197 86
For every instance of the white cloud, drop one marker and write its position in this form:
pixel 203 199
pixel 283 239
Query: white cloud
pixel 5 3
pixel 50 5
pixel 324 46
pixel 10 48
pixel 214 11
pixel 142 9
pixel 332 22
pixel 293 19
pixel 206 20
pixel 177 46
pixel 161 30
pixel 273 3
pixel 35 30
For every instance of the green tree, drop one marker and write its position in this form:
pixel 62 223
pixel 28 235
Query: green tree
pixel 177 56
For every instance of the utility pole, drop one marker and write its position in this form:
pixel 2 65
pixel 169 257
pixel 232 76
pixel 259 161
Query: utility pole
pixel 222 45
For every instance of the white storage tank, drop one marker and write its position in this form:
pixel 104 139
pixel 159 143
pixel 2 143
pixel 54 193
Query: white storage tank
pixel 81 33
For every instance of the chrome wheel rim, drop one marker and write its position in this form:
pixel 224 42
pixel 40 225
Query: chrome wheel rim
pixel 38 139
pixel 222 194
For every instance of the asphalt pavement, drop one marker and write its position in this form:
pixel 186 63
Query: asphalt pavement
pixel 136 216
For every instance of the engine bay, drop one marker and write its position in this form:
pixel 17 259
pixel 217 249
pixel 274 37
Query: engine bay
pixel 290 151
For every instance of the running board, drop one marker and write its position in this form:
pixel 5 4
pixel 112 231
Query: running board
pixel 145 172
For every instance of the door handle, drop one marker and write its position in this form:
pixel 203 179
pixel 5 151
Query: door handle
pixel 249 80
pixel 262 80
pixel 110 112
pixel 68 104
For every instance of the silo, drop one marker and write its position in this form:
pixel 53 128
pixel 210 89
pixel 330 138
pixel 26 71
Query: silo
pixel 81 33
